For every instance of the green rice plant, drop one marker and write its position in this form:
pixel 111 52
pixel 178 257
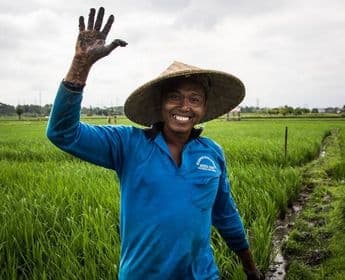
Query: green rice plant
pixel 57 222
pixel 261 240
pixel 60 216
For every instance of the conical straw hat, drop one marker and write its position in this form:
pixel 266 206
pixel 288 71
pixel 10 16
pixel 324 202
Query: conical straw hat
pixel 225 93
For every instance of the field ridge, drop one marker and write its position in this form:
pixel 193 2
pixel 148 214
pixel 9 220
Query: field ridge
pixel 314 247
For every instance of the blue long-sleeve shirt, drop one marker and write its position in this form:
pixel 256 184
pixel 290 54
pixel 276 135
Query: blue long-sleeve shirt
pixel 166 210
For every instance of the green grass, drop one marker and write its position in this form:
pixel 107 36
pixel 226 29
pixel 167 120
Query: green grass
pixel 315 245
pixel 59 215
pixel 55 220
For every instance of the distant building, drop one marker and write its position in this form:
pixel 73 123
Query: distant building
pixel 330 110
pixel 236 110
pixel 234 114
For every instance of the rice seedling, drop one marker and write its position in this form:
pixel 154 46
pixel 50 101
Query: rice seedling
pixel 59 215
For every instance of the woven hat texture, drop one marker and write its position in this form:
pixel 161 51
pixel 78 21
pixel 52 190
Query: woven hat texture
pixel 225 93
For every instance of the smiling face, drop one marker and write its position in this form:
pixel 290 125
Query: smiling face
pixel 183 106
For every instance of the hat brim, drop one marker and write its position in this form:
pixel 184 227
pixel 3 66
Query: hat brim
pixel 227 91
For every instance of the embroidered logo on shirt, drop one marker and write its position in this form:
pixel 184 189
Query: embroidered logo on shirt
pixel 207 164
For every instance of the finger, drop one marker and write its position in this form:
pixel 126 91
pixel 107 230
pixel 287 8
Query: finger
pixel 113 45
pixel 107 26
pixel 81 24
pixel 99 19
pixel 91 19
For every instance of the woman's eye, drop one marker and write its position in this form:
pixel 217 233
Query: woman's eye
pixel 174 96
pixel 196 100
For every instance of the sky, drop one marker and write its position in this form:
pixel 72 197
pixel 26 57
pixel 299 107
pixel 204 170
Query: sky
pixel 286 52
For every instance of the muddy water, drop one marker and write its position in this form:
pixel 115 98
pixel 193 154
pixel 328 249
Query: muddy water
pixel 277 269
pixel 282 227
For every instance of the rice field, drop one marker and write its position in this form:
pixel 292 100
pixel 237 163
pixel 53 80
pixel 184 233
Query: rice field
pixel 59 215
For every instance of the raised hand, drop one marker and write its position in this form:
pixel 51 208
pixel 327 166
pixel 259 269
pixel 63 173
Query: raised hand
pixel 91 46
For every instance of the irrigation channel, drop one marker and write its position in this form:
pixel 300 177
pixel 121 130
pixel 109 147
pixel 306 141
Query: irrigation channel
pixel 277 269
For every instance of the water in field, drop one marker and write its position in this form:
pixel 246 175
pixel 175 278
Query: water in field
pixel 277 269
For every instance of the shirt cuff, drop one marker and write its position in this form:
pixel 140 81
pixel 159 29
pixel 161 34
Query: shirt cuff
pixel 72 86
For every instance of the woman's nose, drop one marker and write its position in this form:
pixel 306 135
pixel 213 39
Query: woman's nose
pixel 185 104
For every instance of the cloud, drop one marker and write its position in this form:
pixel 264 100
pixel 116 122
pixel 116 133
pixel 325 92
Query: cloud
pixel 205 15
pixel 286 52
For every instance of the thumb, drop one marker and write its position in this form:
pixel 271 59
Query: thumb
pixel 113 45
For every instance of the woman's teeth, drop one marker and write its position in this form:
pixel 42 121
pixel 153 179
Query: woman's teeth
pixel 181 118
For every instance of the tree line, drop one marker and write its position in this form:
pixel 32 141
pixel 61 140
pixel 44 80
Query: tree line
pixel 288 110
pixel 44 111
pixel 29 110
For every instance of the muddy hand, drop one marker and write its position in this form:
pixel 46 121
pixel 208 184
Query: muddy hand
pixel 255 275
pixel 91 45
pixel 91 41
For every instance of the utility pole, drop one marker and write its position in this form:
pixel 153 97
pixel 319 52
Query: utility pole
pixel 40 100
